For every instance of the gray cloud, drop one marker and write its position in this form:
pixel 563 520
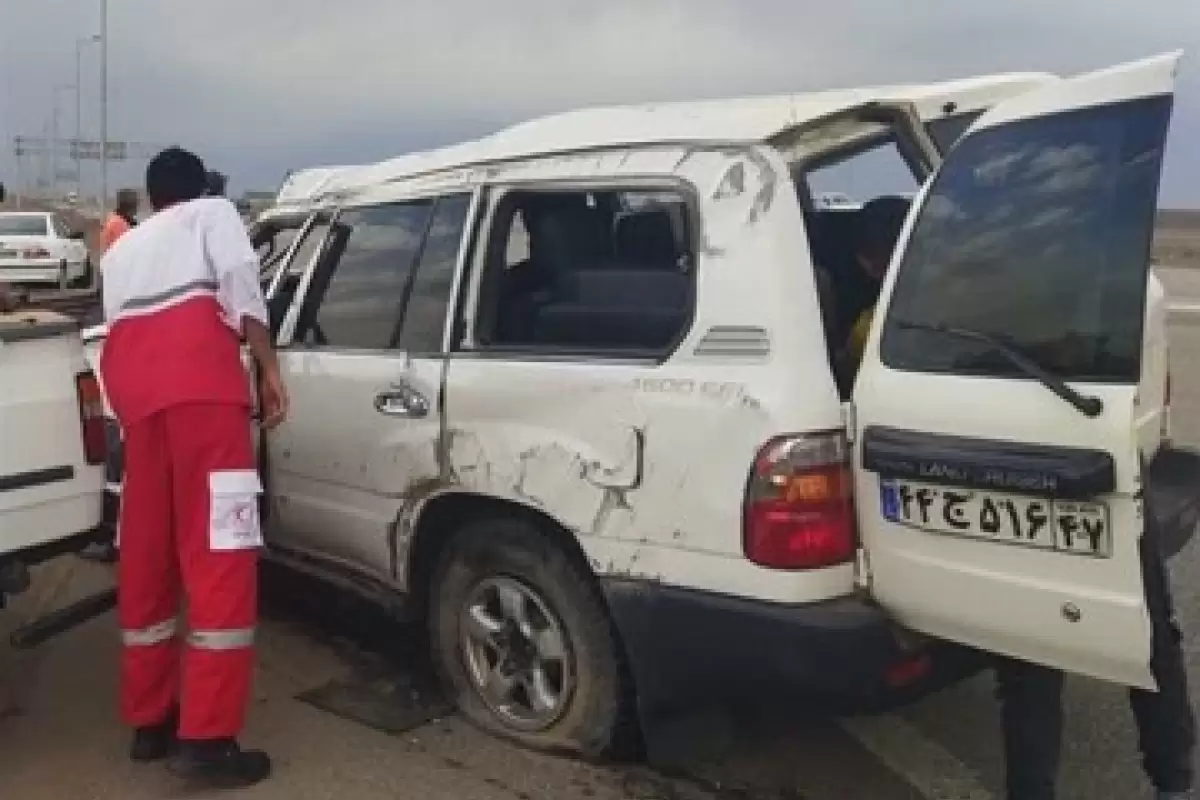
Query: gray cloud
pixel 262 85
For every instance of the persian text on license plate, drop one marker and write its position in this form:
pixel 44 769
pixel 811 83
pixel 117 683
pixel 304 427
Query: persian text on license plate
pixel 1070 526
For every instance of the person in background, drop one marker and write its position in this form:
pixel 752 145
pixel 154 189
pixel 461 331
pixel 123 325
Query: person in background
pixel 217 183
pixel 120 220
pixel 879 224
pixel 180 292
pixel 1031 706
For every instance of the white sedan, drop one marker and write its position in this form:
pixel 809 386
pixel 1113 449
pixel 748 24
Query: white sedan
pixel 37 247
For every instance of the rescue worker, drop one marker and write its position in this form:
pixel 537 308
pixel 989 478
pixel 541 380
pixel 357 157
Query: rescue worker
pixel 120 220
pixel 179 292
pixel 1031 701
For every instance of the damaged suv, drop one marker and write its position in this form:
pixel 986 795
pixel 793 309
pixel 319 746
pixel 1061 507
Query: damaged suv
pixel 566 394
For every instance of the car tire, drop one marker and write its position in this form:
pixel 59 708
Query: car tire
pixel 487 567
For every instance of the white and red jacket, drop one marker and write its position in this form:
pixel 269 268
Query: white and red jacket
pixel 177 289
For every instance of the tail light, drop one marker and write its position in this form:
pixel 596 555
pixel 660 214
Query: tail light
pixel 37 252
pixel 798 510
pixel 1167 390
pixel 91 414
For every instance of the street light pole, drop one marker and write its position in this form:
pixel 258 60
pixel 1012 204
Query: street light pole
pixel 103 103
pixel 55 137
pixel 79 45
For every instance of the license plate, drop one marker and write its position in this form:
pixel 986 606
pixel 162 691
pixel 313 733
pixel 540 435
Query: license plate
pixel 1069 526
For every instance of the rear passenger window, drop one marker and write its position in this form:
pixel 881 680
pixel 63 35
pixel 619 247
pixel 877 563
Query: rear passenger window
pixel 360 289
pixel 587 271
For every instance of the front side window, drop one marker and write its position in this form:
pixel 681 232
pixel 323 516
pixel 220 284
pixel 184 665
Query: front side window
pixel 1036 233
pixel 358 291
pixel 281 288
pixel 304 252
pixel 273 240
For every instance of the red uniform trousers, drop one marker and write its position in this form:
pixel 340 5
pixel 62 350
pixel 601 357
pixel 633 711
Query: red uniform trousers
pixel 172 499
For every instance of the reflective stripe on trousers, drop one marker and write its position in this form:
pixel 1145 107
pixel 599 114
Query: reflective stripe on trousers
pixel 236 639
pixel 149 636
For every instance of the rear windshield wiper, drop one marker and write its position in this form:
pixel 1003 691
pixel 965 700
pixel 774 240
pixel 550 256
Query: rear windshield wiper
pixel 1089 406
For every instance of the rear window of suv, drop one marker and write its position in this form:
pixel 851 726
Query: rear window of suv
pixel 22 225
pixel 1036 233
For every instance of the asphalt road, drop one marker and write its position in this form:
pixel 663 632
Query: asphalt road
pixel 59 736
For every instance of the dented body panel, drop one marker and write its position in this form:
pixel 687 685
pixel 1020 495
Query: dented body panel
pixel 610 449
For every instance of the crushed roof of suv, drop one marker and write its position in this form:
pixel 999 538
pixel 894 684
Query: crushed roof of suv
pixel 730 121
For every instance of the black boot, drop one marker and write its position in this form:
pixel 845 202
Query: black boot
pixel 219 764
pixel 155 742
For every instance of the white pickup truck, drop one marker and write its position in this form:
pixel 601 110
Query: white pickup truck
pixel 52 445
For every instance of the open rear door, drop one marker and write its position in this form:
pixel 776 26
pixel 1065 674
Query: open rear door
pixel 997 466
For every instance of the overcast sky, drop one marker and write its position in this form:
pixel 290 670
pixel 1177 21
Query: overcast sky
pixel 261 86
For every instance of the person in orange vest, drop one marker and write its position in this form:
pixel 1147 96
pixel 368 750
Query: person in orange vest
pixel 180 292
pixel 120 220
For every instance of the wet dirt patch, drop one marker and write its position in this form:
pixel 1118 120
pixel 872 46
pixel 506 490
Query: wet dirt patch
pixel 390 686
pixel 387 705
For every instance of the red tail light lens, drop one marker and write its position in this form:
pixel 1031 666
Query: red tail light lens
pixel 799 512
pixel 91 414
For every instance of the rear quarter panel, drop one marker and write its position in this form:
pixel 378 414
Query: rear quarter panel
pixel 563 437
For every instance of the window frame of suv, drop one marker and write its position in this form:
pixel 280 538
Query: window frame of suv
pixel 464 342
pixel 302 305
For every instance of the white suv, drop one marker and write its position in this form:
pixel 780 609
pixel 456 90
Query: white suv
pixel 566 393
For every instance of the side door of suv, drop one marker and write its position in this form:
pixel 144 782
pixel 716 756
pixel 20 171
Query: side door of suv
pixel 998 473
pixel 362 356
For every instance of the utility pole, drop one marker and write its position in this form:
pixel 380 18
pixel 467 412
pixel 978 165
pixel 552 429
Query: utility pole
pixel 79 45
pixel 103 103
pixel 44 161
pixel 56 137
pixel 20 150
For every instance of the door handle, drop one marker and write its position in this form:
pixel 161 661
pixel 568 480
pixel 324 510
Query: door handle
pixel 402 401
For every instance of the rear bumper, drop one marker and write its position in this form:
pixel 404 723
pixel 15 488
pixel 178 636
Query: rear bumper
pixel 686 647
pixel 1173 496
